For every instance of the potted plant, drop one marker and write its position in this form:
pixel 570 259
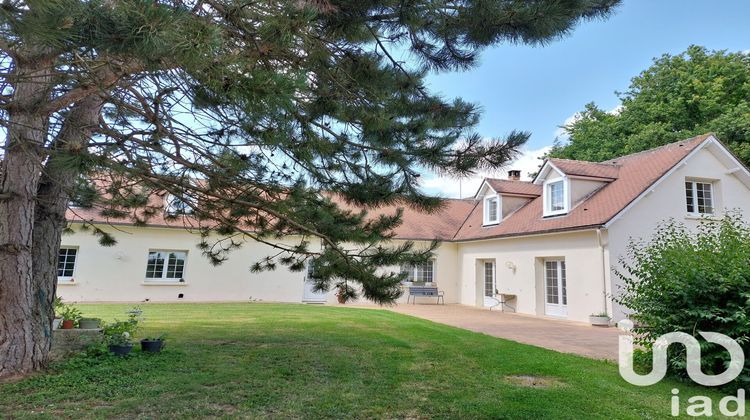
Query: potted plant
pixel 120 344
pixel 89 323
pixel 117 335
pixel 343 293
pixel 153 344
pixel 599 320
pixel 70 315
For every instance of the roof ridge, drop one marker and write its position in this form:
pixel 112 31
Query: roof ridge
pixel 604 163
pixel 702 137
pixel 509 180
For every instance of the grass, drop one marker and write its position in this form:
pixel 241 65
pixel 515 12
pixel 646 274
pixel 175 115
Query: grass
pixel 292 361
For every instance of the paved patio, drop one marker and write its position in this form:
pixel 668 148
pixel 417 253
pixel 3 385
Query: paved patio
pixel 562 336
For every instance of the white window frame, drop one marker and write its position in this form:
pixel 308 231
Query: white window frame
pixel 71 278
pixel 560 287
pixel 547 198
pixel 694 191
pixel 165 268
pixel 486 209
pixel 413 271
pixel 171 210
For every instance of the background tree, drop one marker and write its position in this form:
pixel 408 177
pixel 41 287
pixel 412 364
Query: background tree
pixel 245 111
pixel 679 96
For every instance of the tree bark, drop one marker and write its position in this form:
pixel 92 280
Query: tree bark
pixel 57 181
pixel 19 177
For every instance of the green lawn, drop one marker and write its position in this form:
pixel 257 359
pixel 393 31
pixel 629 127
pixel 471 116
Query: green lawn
pixel 281 361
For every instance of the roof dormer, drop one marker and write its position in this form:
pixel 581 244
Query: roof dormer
pixel 565 183
pixel 500 198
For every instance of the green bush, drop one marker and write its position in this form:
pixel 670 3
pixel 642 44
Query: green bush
pixel 692 281
pixel 122 332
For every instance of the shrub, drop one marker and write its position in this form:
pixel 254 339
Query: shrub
pixel 121 332
pixel 692 281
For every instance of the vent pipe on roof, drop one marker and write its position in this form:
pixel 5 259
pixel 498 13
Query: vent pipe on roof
pixel 514 175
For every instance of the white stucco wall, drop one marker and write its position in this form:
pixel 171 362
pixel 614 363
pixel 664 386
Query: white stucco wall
pixel 117 273
pixel 583 264
pixel 111 274
pixel 667 200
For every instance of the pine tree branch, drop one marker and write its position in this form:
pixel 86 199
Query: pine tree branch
pixel 106 80
pixel 8 48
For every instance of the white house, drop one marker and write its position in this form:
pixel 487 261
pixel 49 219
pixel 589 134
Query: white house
pixel 549 247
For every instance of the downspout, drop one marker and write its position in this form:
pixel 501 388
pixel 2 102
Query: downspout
pixel 604 268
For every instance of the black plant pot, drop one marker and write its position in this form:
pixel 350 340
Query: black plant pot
pixel 152 346
pixel 120 349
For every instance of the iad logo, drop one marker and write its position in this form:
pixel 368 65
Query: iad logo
pixel 693 357
pixel 699 405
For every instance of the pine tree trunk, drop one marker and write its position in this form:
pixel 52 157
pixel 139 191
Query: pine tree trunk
pixel 19 177
pixel 58 179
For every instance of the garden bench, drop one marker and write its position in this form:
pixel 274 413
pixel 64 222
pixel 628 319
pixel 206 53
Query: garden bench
pixel 415 292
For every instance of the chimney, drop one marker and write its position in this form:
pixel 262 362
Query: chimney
pixel 514 175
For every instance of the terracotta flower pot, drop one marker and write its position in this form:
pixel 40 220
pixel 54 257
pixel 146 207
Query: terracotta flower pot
pixel 68 324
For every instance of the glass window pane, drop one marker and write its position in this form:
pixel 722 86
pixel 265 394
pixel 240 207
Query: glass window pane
pixel 489 275
pixel 704 197
pixel 66 261
pixel 175 265
pixel 492 207
pixel 689 197
pixel 551 282
pixel 556 196
pixel 155 265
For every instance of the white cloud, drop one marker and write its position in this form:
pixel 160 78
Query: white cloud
pixel 616 110
pixel 449 187
pixel 560 131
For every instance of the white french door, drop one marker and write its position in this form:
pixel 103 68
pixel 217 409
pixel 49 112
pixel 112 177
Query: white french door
pixel 555 288
pixel 489 284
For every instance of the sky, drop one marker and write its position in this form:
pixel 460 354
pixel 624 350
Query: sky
pixel 537 89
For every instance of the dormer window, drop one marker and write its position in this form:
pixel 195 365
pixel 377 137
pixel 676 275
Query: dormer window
pixel 555 197
pixel 491 210
pixel 176 206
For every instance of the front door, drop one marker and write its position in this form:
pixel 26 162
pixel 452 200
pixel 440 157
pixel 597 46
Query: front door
pixel 309 295
pixel 555 288
pixel 489 284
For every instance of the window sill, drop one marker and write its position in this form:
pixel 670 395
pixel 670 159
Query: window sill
pixel 490 224
pixel 163 283
pixel 552 216
pixel 66 283
pixel 691 216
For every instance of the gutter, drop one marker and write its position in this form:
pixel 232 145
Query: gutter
pixel 604 268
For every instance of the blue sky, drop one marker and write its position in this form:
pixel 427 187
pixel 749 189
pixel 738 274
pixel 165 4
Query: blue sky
pixel 538 88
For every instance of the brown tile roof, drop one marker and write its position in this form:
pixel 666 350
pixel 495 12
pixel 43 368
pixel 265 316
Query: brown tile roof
pixel 461 220
pixel 504 186
pixel 586 169
pixel 636 173
pixel 442 224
